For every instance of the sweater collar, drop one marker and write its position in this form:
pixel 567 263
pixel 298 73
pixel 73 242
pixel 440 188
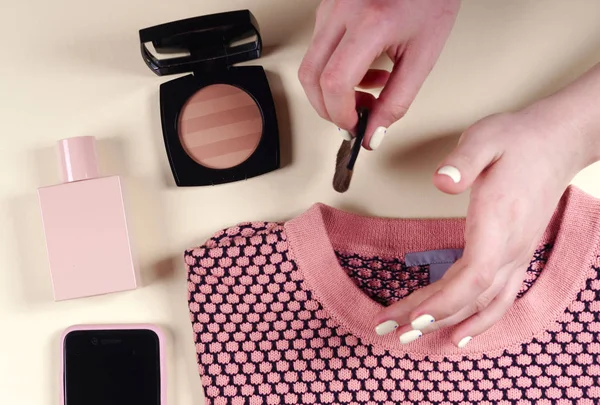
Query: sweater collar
pixel 315 236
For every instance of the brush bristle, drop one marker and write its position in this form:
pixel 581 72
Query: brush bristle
pixel 343 176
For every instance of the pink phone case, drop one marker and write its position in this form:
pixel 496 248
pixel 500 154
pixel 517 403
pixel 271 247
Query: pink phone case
pixel 154 328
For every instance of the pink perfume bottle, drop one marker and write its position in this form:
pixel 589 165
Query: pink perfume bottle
pixel 85 225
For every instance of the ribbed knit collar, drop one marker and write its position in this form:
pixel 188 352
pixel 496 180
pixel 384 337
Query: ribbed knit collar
pixel 315 236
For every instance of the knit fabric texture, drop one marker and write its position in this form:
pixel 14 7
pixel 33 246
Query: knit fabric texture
pixel 283 313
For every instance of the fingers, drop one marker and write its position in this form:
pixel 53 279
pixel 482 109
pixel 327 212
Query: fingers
pixel 365 100
pixel 485 319
pixel 480 304
pixel 470 158
pixel 362 99
pixel 325 41
pixel 332 69
pixel 346 69
pixel 407 77
pixel 375 78
pixel 398 314
pixel 468 287
pixel 324 11
pixel 461 293
pixel 472 320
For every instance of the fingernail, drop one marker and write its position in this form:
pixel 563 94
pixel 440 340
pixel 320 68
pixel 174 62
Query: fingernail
pixel 422 322
pixel 410 336
pixel 464 341
pixel 386 327
pixel 345 134
pixel 377 137
pixel 451 172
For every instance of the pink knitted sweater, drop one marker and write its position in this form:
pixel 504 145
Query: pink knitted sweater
pixel 284 314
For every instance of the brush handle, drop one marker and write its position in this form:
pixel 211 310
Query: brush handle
pixel 363 116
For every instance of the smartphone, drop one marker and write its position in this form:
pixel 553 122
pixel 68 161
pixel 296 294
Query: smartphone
pixel 113 365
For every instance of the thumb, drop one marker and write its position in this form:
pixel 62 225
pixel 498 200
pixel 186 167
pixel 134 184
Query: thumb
pixel 469 159
pixel 401 88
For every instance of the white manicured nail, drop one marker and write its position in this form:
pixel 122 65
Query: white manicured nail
pixel 451 172
pixel 410 336
pixel 386 327
pixel 377 137
pixel 345 134
pixel 422 322
pixel 464 341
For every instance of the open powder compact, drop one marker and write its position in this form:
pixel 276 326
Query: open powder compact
pixel 219 123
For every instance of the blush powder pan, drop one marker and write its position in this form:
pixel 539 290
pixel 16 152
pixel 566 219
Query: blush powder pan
pixel 219 122
pixel 220 126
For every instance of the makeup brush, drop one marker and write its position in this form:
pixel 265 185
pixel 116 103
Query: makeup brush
pixel 348 153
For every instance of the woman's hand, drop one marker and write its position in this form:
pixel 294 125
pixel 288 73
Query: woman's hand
pixel 517 165
pixel 350 35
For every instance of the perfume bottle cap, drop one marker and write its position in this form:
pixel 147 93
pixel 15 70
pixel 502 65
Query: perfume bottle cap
pixel 78 160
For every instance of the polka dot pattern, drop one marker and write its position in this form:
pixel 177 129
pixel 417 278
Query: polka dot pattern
pixel 388 280
pixel 262 338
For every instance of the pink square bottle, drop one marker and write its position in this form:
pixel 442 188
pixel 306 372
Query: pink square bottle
pixel 87 238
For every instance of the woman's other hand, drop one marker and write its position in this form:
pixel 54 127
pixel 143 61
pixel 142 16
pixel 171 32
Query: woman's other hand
pixel 517 166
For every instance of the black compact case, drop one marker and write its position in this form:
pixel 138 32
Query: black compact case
pixel 213 44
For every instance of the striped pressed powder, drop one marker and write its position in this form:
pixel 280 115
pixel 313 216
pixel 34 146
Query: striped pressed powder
pixel 220 126
pixel 219 122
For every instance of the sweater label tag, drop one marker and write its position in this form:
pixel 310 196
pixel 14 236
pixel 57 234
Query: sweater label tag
pixel 439 261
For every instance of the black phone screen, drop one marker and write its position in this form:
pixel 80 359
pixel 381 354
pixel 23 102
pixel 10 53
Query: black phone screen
pixel 112 367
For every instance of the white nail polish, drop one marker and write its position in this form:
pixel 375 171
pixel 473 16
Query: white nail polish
pixel 464 341
pixel 377 137
pixel 422 322
pixel 386 327
pixel 345 134
pixel 451 172
pixel 410 336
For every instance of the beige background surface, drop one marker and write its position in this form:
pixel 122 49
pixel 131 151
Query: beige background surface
pixel 73 68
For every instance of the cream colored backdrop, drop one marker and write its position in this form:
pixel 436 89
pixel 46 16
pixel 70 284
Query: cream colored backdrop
pixel 73 68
